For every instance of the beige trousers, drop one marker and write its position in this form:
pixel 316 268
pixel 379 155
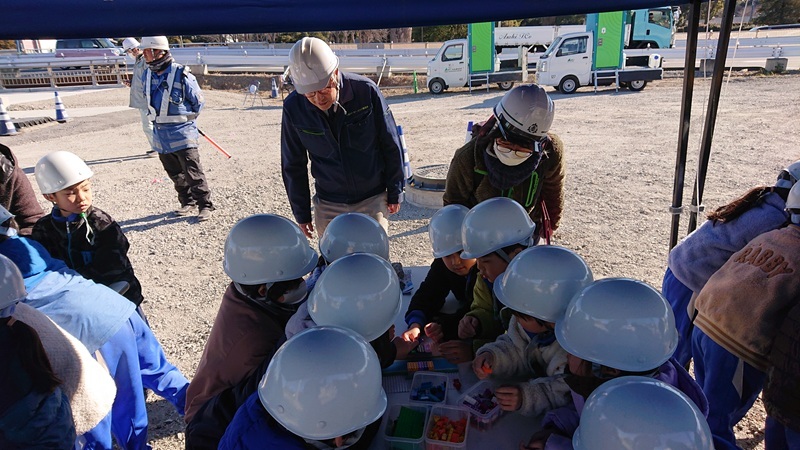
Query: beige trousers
pixel 375 207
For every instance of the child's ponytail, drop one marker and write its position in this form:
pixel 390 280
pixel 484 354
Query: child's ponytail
pixel 30 352
pixel 739 206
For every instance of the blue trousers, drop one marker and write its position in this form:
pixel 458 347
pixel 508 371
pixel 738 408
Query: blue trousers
pixel 678 296
pixel 730 384
pixel 135 360
pixel 779 437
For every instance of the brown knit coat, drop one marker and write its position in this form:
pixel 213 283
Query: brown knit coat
pixel 467 186
pixel 747 299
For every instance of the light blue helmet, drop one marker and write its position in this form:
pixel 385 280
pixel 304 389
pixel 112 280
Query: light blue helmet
pixel 540 281
pixel 493 224
pixel 620 323
pixel 266 248
pixel 641 413
pixel 445 230
pixel 322 383
pixel 360 292
pixel 353 233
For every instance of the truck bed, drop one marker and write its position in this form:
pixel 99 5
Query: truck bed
pixel 629 74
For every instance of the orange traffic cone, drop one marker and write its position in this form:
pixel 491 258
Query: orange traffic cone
pixel 61 112
pixel 6 125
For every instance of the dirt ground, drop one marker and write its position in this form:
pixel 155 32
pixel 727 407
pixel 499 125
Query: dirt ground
pixel 620 156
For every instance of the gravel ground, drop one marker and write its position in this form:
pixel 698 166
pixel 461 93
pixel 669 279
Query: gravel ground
pixel 620 157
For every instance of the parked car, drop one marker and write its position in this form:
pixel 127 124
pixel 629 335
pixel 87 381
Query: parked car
pixel 91 47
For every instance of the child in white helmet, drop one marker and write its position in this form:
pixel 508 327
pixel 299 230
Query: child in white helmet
pixel 349 233
pixel 266 257
pixel 728 229
pixel 103 321
pixel 448 274
pixel 735 341
pixel 493 232
pixel 360 292
pixel 615 327
pixel 85 237
pixel 321 390
pixel 537 287
pixel 346 234
pixel 637 413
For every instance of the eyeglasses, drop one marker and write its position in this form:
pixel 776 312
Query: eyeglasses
pixel 332 84
pixel 530 145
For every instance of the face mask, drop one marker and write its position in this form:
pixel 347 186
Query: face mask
pixel 507 156
pixel 295 295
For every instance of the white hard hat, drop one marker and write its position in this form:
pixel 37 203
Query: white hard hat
pixel 311 63
pixel 493 224
pixel 540 281
pixel 323 383
pixel 641 413
pixel 360 292
pixel 526 112
pixel 619 323
pixel 155 42
pixel 12 285
pixel 129 43
pixel 445 230
pixel 60 170
pixel 353 233
pixel 266 248
pixel 793 203
pixel 789 176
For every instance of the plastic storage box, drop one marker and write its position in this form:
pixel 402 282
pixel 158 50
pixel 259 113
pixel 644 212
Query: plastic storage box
pixel 405 427
pixel 429 388
pixel 448 428
pixel 482 405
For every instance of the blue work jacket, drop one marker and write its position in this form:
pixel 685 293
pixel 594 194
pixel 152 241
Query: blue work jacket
pixel 174 126
pixel 355 151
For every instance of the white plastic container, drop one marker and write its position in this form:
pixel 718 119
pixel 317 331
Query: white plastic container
pixel 429 388
pixel 453 414
pixel 480 420
pixel 405 443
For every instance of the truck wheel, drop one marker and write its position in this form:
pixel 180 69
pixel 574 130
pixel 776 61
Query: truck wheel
pixel 436 86
pixel 506 85
pixel 637 85
pixel 568 85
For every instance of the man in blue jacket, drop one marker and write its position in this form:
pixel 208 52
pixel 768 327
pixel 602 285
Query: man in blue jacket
pixel 342 123
pixel 174 100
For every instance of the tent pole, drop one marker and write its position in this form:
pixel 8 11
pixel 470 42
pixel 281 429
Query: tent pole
pixel 711 112
pixel 686 116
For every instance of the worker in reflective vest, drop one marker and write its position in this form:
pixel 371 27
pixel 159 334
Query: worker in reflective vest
pixel 174 100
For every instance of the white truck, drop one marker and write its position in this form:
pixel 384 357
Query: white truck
pixel 451 68
pixel 595 57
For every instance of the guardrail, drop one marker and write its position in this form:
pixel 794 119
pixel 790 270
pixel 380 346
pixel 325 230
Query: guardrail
pixel 50 70
pixel 50 77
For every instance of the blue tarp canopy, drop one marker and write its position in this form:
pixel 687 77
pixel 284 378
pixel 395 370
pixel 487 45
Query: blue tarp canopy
pixel 42 19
